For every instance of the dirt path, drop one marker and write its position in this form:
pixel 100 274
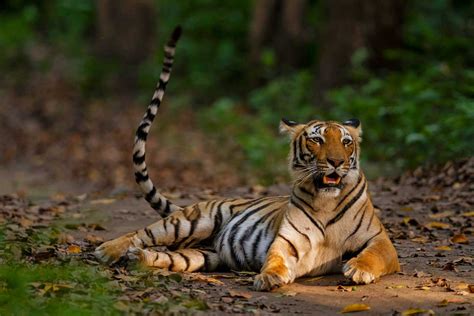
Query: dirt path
pixel 431 226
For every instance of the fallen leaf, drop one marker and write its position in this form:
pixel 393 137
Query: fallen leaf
pixel 203 278
pixel 417 311
pixel 74 249
pixel 438 225
pixel 240 294
pixel 443 248
pixel 103 201
pixel 441 215
pixel 420 239
pixel 460 239
pixel 468 214
pixel 352 308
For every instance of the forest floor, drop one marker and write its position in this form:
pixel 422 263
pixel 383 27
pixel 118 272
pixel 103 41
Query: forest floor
pixel 428 214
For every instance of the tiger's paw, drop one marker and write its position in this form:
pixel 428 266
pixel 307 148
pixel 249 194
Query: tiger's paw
pixel 268 281
pixel 357 271
pixel 113 250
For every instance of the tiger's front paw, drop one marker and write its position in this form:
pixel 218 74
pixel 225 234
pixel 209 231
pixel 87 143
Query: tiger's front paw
pixel 267 281
pixel 113 250
pixel 358 271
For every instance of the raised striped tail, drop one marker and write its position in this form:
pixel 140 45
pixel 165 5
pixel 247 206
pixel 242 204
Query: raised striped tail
pixel 160 203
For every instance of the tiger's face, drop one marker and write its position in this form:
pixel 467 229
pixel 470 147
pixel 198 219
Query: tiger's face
pixel 324 154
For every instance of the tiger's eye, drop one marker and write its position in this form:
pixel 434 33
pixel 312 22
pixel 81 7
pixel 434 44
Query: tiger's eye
pixel 317 140
pixel 346 141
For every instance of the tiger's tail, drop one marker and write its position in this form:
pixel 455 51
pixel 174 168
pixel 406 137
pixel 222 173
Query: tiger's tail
pixel 160 203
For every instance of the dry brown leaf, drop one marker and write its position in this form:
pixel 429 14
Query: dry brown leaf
pixel 420 239
pixel 74 249
pixel 417 311
pixel 352 308
pixel 240 294
pixel 203 278
pixel 441 215
pixel 438 225
pixel 443 248
pixel 460 239
pixel 25 222
pixel 103 201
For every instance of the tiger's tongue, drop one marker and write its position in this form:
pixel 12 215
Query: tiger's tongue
pixel 331 179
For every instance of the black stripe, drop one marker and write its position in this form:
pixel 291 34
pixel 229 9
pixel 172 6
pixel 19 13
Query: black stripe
pixel 292 246
pixel 300 232
pixel 186 259
pixel 137 159
pixel 149 196
pixel 251 231
pixel 176 224
pixel 139 177
pixel 370 221
pixel 167 64
pixel 156 205
pixel 207 260
pixel 171 260
pixel 149 233
pixel 256 265
pixel 348 205
pixel 236 229
pixel 167 207
pixel 349 193
pixel 315 223
pixel 217 219
pixel 359 224
pixel 141 134
pixel 155 102
pixel 302 200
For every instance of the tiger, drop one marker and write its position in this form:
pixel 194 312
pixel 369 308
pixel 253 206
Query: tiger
pixel 327 224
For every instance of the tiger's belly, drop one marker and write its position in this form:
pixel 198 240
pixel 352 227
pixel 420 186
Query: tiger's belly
pixel 244 240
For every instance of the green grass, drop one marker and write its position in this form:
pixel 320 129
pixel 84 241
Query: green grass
pixel 38 277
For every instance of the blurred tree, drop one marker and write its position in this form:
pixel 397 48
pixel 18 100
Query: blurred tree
pixel 352 25
pixel 279 24
pixel 126 33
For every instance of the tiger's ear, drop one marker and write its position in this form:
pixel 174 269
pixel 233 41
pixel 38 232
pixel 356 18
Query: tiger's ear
pixel 289 127
pixel 355 124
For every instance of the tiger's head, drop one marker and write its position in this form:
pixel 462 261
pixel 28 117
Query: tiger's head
pixel 324 156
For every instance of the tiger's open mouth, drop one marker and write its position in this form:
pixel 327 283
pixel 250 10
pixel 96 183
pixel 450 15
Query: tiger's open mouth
pixel 332 179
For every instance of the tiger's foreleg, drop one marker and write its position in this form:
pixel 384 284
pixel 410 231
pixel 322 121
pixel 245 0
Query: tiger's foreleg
pixel 378 258
pixel 181 260
pixel 181 229
pixel 286 259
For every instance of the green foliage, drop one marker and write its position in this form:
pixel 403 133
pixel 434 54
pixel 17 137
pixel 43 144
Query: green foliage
pixel 213 53
pixel 412 118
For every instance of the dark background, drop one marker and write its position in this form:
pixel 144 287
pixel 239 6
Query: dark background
pixel 77 75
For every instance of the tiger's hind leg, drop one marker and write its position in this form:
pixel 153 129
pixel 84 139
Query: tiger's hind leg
pixel 189 260
pixel 181 229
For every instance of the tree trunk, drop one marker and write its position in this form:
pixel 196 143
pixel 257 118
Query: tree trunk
pixel 126 34
pixel 375 25
pixel 279 25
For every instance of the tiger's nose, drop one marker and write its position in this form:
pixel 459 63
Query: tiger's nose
pixel 335 162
